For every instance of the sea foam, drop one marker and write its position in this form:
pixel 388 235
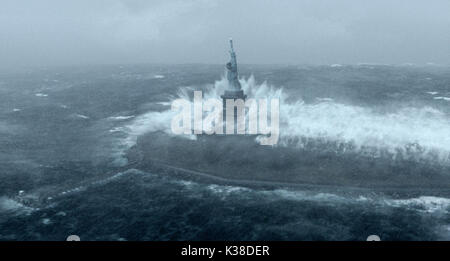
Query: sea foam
pixel 418 130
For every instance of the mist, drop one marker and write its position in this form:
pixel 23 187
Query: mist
pixel 82 32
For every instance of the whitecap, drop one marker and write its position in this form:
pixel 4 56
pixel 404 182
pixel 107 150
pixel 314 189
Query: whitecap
pixel 9 205
pixel 426 204
pixel 324 99
pixel 120 118
pixel 220 189
pixel 301 195
pixel 442 98
pixel 117 129
pixel 81 116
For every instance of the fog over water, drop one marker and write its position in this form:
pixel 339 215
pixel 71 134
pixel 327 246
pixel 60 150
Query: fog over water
pixel 51 32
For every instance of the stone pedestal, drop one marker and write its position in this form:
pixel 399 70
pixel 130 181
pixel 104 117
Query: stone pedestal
pixel 231 95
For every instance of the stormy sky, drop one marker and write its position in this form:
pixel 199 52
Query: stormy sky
pixel 55 32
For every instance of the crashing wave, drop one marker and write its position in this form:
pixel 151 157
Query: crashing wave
pixel 409 131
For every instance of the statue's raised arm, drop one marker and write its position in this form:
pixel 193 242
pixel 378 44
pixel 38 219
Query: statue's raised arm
pixel 232 73
pixel 233 56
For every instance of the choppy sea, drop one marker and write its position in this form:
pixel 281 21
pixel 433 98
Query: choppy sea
pixel 65 133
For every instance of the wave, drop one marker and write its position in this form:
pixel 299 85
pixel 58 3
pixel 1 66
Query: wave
pixel 416 131
pixel 422 204
pixel 425 204
pixel 11 206
pixel 95 183
pixel 80 116
pixel 419 131
pixel 442 98
pixel 120 118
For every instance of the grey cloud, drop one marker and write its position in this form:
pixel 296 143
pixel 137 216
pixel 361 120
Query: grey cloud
pixel 51 32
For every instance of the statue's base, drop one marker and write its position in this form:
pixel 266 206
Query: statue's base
pixel 234 95
pixel 231 95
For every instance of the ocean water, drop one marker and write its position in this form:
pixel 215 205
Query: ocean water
pixel 67 134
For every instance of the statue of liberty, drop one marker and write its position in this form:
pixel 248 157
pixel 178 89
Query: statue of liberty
pixel 234 90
